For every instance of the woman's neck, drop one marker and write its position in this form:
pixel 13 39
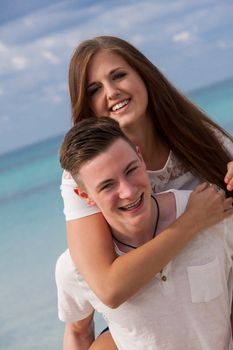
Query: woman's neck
pixel 154 152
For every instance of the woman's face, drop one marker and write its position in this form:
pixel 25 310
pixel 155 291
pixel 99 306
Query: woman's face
pixel 116 90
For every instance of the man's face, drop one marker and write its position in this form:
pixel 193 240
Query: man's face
pixel 117 182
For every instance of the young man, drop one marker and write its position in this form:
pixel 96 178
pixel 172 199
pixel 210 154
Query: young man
pixel 188 304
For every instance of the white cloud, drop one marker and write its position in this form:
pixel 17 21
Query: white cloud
pixel 48 42
pixel 224 44
pixel 183 37
pixel 51 57
pixel 3 48
pixel 19 62
pixel 138 39
pixel 28 22
pixel 57 99
pixel 55 93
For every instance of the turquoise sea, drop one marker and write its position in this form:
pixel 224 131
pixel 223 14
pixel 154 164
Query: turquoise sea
pixel 33 233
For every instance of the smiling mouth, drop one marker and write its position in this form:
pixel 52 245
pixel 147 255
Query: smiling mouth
pixel 133 205
pixel 120 105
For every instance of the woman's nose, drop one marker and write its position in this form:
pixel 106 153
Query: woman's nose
pixel 112 92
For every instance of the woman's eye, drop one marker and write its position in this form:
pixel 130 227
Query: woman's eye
pixel 119 75
pixel 93 89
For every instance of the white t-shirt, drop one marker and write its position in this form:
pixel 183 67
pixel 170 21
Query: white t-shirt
pixel 172 175
pixel 186 307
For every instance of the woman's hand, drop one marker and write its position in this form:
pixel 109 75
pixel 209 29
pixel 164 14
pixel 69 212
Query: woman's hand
pixel 209 205
pixel 229 176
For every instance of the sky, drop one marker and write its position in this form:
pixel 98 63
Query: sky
pixel 191 42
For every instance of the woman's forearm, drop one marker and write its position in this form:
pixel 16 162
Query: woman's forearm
pixel 115 279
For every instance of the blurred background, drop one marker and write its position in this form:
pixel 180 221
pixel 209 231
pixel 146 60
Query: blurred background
pixel 191 42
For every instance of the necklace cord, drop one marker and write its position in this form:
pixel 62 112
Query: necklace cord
pixel 155 229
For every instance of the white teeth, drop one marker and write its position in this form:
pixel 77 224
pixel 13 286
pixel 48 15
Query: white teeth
pixel 133 205
pixel 120 105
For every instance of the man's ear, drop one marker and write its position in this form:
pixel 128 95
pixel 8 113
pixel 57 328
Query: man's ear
pixel 84 195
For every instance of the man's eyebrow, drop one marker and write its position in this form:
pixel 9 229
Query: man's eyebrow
pixel 111 72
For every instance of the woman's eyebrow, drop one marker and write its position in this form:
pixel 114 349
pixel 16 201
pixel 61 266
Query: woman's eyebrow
pixel 115 69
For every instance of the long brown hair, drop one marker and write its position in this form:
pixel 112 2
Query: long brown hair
pixel 185 128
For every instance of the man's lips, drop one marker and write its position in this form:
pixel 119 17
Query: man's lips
pixel 133 205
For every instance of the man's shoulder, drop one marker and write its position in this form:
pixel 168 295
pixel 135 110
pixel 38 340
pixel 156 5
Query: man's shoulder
pixel 181 198
pixel 65 270
pixel 177 197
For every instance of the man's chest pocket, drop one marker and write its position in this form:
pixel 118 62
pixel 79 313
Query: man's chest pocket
pixel 205 281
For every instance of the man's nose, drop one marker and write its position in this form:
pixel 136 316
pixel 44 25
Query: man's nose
pixel 126 190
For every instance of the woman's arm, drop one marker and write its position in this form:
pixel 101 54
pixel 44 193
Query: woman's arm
pixel 115 279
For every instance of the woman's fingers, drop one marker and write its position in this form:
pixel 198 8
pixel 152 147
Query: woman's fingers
pixel 228 205
pixel 229 176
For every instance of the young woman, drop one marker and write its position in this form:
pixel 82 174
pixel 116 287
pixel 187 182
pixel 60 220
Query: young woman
pixel 181 148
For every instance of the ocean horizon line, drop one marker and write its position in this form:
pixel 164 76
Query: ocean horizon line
pixel 208 86
pixel 33 144
pixel 60 136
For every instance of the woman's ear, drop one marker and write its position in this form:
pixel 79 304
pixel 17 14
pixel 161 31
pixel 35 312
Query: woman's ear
pixel 139 153
pixel 84 195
